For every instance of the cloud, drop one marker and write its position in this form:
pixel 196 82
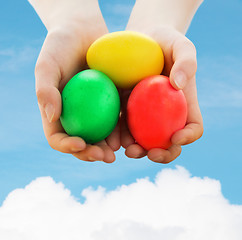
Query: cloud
pixel 21 122
pixel 220 82
pixel 14 59
pixel 8 52
pixel 176 206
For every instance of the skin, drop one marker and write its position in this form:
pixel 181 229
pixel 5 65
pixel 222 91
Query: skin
pixel 181 67
pixel 63 55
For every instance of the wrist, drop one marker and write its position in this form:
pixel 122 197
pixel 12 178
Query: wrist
pixel 56 13
pixel 173 13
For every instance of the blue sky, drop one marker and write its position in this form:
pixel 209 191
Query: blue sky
pixel 25 153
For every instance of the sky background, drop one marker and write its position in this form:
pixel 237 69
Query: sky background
pixel 25 154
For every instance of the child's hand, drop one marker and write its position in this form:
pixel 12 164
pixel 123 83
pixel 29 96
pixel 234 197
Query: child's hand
pixel 62 56
pixel 180 66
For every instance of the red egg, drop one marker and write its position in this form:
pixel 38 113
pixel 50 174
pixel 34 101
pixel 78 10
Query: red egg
pixel 155 111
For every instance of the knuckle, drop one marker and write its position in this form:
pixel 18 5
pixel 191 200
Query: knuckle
pixel 55 147
pixel 192 63
pixel 41 64
pixel 188 44
pixel 200 133
pixel 46 65
pixel 51 142
pixel 56 143
pixel 52 145
pixel 185 43
pixel 41 93
pixel 191 45
pixel 185 54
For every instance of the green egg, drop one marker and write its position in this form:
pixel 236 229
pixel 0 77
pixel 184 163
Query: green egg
pixel 90 106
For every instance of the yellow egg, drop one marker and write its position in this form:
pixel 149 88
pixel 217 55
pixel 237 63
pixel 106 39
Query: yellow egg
pixel 126 57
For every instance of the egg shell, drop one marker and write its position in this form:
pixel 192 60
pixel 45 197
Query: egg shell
pixel 155 111
pixel 126 57
pixel 90 106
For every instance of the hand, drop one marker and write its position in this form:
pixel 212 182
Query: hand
pixel 62 56
pixel 180 66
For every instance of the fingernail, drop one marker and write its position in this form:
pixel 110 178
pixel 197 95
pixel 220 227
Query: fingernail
pixel 180 80
pixel 50 111
pixel 159 159
pixel 93 159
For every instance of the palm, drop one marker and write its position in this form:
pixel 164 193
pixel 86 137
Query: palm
pixel 175 46
pixel 62 56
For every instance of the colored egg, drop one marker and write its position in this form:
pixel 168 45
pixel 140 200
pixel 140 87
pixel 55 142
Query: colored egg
pixel 155 111
pixel 126 57
pixel 90 106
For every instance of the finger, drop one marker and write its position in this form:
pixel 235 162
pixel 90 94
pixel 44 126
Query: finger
pixel 49 100
pixel 135 151
pixel 113 140
pixel 164 156
pixel 47 75
pixel 185 62
pixel 191 133
pixel 99 152
pixel 56 64
pixel 109 155
pixel 63 143
pixel 194 126
pixel 91 153
pixel 125 135
pixel 58 139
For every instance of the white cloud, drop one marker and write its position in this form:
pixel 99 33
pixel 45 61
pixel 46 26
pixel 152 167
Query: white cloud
pixel 176 206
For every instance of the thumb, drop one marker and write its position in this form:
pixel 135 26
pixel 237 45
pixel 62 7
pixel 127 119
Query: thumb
pixel 185 63
pixel 49 100
pixel 47 77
